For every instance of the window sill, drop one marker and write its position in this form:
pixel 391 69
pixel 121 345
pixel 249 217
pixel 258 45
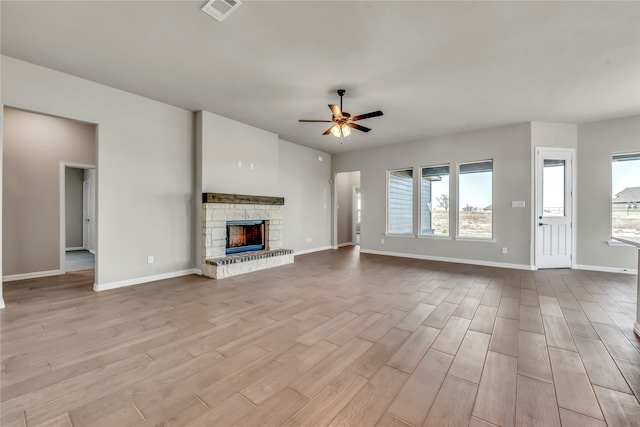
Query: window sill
pixel 475 239
pixel 619 244
pixel 411 236
pixel 433 236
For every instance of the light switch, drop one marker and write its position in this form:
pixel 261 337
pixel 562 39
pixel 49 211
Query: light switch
pixel 517 204
pixel 239 163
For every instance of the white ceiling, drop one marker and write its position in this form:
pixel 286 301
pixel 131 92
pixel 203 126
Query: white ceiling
pixel 432 67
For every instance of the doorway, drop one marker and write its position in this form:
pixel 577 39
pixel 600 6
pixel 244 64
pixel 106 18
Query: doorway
pixel 357 214
pixel 347 213
pixel 554 235
pixel 77 210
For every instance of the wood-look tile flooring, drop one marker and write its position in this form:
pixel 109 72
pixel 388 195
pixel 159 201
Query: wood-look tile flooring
pixel 338 338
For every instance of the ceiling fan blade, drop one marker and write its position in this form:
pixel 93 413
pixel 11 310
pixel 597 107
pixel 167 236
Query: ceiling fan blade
pixel 355 126
pixel 315 121
pixel 336 111
pixel 366 116
pixel 328 131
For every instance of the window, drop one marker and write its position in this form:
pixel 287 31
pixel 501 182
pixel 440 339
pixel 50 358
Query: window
pixel 434 201
pixel 400 202
pixel 475 203
pixel 625 204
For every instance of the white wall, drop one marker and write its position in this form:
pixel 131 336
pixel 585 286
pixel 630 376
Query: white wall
pixel 73 193
pixel 510 149
pixel 304 183
pixel 145 176
pixel 345 182
pixel 597 142
pixel 34 147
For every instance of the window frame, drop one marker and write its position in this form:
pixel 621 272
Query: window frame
pixel 458 203
pixel 413 199
pixel 612 242
pixel 433 236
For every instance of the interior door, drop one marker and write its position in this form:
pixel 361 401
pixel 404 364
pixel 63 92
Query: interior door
pixel 554 193
pixel 86 216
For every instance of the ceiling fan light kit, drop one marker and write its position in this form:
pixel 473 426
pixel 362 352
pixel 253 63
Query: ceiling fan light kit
pixel 343 121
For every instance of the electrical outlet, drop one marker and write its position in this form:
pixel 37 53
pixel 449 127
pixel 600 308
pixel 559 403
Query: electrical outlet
pixel 382 241
pixel 251 166
pixel 310 240
pixel 239 163
pixel 150 259
pixel 504 250
pixel 320 158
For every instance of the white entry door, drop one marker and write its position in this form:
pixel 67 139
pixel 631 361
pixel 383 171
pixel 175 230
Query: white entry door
pixel 554 193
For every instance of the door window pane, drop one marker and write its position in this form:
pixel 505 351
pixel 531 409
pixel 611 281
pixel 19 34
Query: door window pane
pixel 625 204
pixel 553 188
pixel 434 200
pixel 475 200
pixel 400 202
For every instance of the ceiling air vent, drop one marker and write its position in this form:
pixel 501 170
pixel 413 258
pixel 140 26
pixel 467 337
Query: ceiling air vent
pixel 220 9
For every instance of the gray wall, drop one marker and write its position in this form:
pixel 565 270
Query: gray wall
pixel 74 223
pixel 145 176
pixel 304 183
pixel 510 149
pixel 345 182
pixel 224 143
pixel 34 146
pixel 597 142
pixel 280 168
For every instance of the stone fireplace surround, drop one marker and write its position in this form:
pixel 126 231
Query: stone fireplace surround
pixel 217 209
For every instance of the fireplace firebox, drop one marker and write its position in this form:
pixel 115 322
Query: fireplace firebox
pixel 245 236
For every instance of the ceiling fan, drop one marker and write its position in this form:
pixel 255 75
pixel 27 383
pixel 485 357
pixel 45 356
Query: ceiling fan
pixel 343 122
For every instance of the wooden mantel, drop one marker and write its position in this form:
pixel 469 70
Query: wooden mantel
pixel 241 199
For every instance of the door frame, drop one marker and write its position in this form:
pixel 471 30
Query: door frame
pixel 572 152
pixel 63 213
pixel 354 213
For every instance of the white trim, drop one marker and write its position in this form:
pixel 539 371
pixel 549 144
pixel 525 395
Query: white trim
pixel 308 251
pixel 446 259
pixel 636 328
pixel 433 236
pixel 197 271
pixel 91 251
pixel 607 269
pixel 475 239
pixel 619 244
pixel 146 279
pixel 334 246
pixel 411 236
pixel 1 303
pixel 75 248
pixel 34 275
pixel 341 245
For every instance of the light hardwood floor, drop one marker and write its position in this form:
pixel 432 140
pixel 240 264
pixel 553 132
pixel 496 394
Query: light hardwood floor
pixel 338 338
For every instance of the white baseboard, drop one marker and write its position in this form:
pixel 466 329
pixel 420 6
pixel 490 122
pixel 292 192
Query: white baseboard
pixel 34 275
pixel 445 259
pixel 308 251
pixel 607 269
pixel 76 248
pixel 197 271
pixel 1 303
pixel 146 279
pixel 340 245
